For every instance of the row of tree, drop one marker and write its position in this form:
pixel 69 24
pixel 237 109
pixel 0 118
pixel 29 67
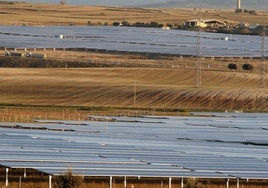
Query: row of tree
pixel 246 11
pixel 244 66
pixel 141 24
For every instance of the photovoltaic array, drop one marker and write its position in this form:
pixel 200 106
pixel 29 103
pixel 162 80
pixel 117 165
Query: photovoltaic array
pixel 221 145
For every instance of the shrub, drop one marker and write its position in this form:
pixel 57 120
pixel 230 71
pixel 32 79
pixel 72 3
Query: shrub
pixel 193 183
pixel 238 10
pixel 170 25
pixel 232 66
pixel 244 30
pixel 247 66
pixel 139 24
pixel 68 181
pixel 252 12
pixel 116 24
pixel 125 23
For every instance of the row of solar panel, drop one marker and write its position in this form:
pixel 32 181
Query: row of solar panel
pixel 131 39
pixel 176 147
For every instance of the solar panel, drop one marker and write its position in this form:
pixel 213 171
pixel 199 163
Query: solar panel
pixel 218 146
pixel 150 40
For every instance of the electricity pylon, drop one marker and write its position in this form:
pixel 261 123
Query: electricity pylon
pixel 198 59
pixel 262 84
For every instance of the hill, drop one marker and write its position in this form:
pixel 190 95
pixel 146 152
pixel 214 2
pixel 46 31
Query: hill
pixel 215 4
pixel 49 14
pixel 230 4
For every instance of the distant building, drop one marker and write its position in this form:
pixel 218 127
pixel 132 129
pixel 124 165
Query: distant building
pixel 166 28
pixel 204 23
pixel 195 23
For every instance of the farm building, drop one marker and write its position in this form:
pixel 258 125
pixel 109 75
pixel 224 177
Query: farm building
pixel 204 23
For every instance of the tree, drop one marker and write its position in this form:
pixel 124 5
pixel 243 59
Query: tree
pixel 232 66
pixel 68 181
pixel 253 12
pixel 62 2
pixel 193 183
pixel 169 25
pixel 244 30
pixel 154 24
pixel 247 66
pixel 238 10
pixel 139 24
pixel 116 24
pixel 125 23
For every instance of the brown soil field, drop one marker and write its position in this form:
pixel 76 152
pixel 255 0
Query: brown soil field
pixel 155 88
pixel 163 83
pixel 48 14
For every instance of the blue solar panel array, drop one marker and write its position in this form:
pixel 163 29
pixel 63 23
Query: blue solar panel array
pixel 132 39
pixel 219 146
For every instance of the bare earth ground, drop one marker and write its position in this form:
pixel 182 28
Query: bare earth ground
pixel 47 14
pixel 156 88
pixel 165 83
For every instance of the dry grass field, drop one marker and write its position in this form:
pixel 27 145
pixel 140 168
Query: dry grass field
pixel 155 88
pixel 48 14
pixel 37 179
pixel 138 185
pixel 167 84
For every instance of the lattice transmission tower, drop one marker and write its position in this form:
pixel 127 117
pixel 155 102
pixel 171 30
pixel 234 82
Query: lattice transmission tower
pixel 262 84
pixel 199 58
